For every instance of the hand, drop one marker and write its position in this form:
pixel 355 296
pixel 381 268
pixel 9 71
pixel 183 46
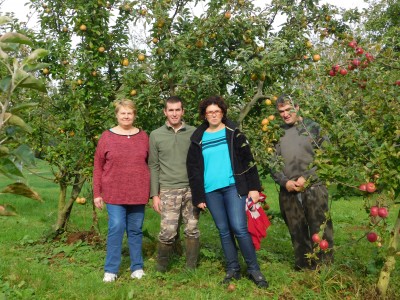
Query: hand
pixel 202 205
pixel 254 195
pixel 301 181
pixel 157 204
pixel 98 202
pixel 293 186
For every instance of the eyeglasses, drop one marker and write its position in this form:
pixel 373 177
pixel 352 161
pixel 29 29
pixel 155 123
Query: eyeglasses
pixel 215 112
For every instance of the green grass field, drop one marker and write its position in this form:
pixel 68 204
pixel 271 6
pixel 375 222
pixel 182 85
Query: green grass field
pixel 33 269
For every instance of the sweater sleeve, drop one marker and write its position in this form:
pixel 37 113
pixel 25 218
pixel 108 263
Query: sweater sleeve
pixel 154 166
pixel 277 175
pixel 99 161
pixel 195 174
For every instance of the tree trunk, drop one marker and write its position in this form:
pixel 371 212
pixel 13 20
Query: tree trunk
pixel 64 206
pixel 388 267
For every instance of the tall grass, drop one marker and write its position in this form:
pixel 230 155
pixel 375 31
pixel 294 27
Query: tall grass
pixel 32 269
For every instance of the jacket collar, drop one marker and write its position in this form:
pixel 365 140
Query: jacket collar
pixel 198 134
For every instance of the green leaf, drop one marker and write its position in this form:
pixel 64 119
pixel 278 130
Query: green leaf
pixel 35 67
pixel 38 53
pixel 5 20
pixel 25 154
pixel 26 80
pixel 15 37
pixel 3 55
pixel 9 46
pixel 21 189
pixel 22 106
pixel 5 83
pixel 17 121
pixel 9 169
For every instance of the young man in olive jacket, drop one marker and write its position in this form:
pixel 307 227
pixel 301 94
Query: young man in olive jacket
pixel 169 188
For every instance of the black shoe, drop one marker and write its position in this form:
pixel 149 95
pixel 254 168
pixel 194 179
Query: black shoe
pixel 258 278
pixel 231 274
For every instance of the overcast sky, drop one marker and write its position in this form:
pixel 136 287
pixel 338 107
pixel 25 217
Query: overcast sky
pixel 21 11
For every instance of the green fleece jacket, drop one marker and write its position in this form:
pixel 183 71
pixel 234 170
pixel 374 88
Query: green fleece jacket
pixel 167 157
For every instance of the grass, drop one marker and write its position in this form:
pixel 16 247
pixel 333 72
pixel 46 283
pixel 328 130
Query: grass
pixel 32 269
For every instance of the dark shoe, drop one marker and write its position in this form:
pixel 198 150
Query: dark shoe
pixel 192 252
pixel 231 274
pixel 258 278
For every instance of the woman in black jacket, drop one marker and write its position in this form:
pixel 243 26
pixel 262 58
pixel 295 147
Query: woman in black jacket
pixel 222 175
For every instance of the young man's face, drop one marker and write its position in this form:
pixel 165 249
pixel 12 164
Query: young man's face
pixel 288 113
pixel 174 113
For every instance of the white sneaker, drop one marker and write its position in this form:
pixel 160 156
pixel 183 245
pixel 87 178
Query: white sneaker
pixel 138 274
pixel 109 277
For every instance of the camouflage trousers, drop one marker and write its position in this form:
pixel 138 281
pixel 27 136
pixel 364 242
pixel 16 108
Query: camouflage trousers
pixel 304 213
pixel 177 208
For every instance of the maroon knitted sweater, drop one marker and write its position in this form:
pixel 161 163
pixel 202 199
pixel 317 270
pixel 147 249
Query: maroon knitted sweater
pixel 121 174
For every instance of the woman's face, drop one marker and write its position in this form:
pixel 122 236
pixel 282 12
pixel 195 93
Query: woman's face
pixel 214 115
pixel 125 117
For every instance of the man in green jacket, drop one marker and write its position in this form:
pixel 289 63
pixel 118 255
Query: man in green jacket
pixel 303 198
pixel 170 190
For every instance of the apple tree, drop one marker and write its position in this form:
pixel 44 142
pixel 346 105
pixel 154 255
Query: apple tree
pixel 352 90
pixel 89 66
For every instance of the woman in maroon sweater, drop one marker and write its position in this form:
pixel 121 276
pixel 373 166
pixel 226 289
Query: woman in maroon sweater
pixel 121 180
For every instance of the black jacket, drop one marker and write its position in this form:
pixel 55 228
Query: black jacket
pixel 243 165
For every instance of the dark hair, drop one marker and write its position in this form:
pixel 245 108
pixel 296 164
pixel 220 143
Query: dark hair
pixel 285 99
pixel 173 99
pixel 216 100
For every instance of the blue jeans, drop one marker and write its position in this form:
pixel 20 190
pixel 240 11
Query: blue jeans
pixel 227 208
pixel 123 218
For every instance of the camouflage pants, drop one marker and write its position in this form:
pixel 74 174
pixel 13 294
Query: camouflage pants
pixel 176 206
pixel 303 214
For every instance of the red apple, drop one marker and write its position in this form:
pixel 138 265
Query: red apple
pixel 332 73
pixel 323 245
pixel 356 62
pixel 316 238
pixel 397 82
pixel 374 211
pixel 371 187
pixel 336 68
pixel 372 237
pixel 353 44
pixel 359 50
pixel 383 212
pixel 363 187
pixel 369 56
pixel 343 72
